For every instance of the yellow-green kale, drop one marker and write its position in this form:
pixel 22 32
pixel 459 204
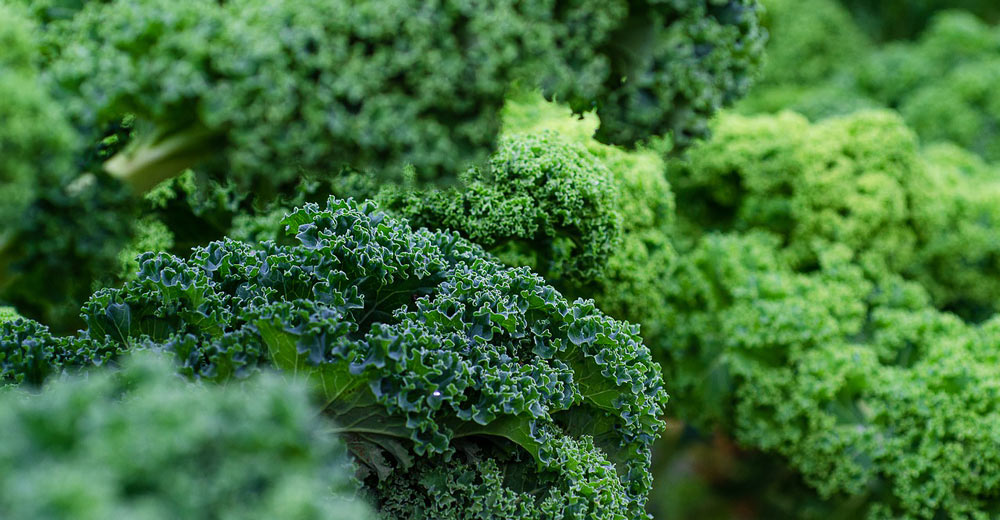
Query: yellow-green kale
pixel 875 397
pixel 809 41
pixel 797 330
pixel 821 66
pixel 541 202
pixel 810 309
pixel 959 264
pixel 942 84
pixel 857 181
pixel 812 49
pixel 595 220
pixel 860 181
pixel 8 314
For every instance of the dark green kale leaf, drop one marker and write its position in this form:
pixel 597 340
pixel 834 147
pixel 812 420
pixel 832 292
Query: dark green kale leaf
pixel 421 345
pixel 262 96
pixel 272 90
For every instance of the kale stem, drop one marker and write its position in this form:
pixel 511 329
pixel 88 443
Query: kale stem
pixel 144 166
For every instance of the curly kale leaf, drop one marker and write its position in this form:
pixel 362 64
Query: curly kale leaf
pixel 30 354
pixel 60 230
pixel 542 202
pixel 858 181
pixel 960 263
pixel 417 342
pixel 810 41
pixel 477 486
pixel 941 83
pixel 593 219
pixel 674 63
pixel 261 96
pixel 821 66
pixel 276 89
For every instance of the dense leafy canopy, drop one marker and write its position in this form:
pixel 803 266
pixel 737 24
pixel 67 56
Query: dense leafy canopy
pixel 263 98
pixel 790 316
pixel 542 202
pixel 799 328
pixel 889 19
pixel 292 86
pixel 863 388
pixel 820 64
pixel 377 200
pixel 419 343
pixel 512 210
pixel 940 84
pixel 140 443
pixel 810 40
pixel 856 181
pixel 859 181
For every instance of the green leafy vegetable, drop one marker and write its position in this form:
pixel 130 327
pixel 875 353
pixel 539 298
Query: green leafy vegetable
pixel 420 344
pixel 542 202
pixel 873 396
pixel 8 314
pixel 277 89
pixel 262 97
pixel 891 19
pixel 140 443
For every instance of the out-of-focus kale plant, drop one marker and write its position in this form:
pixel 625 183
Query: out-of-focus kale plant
pixel 141 443
pixel 242 102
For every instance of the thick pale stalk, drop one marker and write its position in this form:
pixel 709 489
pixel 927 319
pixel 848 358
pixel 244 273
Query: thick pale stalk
pixel 145 166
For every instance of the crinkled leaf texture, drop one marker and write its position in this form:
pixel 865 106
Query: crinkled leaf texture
pixel 878 399
pixel 421 345
pixel 543 201
pixel 275 88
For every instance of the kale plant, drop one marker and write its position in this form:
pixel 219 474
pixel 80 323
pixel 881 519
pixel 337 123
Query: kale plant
pixel 141 443
pixel 259 97
pixel 427 353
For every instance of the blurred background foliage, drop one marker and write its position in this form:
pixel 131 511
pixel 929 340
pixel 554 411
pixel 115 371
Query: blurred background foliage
pixel 917 82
